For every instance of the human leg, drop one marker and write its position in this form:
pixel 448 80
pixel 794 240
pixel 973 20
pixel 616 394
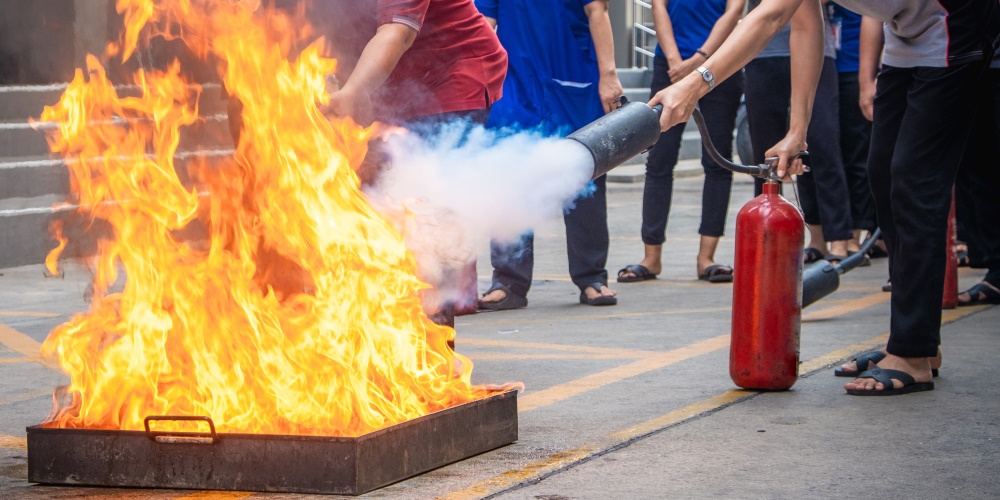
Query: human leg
pixel 658 187
pixel 767 86
pixel 832 199
pixel 719 109
pixel 587 241
pixel 920 131
pixel 513 264
pixel 855 136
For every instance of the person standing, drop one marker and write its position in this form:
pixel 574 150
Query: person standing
pixel 561 76
pixel 688 31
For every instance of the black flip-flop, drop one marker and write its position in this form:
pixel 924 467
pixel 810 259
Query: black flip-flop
pixel 639 273
pixel 510 301
pixel 989 295
pixel 864 359
pixel 812 255
pixel 717 273
pixel 886 376
pixel 834 258
pixel 600 300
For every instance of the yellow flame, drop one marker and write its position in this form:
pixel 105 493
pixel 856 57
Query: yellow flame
pixel 299 311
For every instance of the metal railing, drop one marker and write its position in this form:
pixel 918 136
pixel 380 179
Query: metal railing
pixel 643 35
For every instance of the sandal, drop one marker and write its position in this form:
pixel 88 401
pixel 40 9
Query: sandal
pixel 833 258
pixel 717 273
pixel 510 300
pixel 866 260
pixel 981 293
pixel 812 255
pixel 962 254
pixel 868 358
pixel 601 300
pixel 639 273
pixel 886 376
pixel 887 287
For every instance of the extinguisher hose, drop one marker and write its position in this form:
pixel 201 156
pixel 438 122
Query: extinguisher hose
pixel 706 139
pixel 856 259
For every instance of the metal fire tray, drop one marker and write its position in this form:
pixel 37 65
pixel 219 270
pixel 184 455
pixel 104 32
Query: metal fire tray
pixel 273 463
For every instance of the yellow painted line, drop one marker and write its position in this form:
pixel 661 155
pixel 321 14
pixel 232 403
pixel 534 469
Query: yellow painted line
pixel 29 314
pixel 13 442
pixel 512 357
pixel 625 353
pixel 847 307
pixel 544 397
pixel 558 461
pixel 217 495
pixel 561 460
pixel 25 396
pixel 591 317
pixel 25 345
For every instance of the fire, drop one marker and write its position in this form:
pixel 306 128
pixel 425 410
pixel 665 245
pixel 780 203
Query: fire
pixel 298 311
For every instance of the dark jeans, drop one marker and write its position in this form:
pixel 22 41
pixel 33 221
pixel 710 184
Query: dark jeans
pixel 978 184
pixel 719 108
pixel 823 190
pixel 922 125
pixel 587 243
pixel 855 136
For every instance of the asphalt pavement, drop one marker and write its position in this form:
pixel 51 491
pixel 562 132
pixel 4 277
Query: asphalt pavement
pixel 635 400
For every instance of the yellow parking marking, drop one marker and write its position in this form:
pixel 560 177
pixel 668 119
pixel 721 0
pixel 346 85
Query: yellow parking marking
pixel 4 361
pixel 591 317
pixel 25 345
pixel 625 353
pixel 25 396
pixel 561 460
pixel 569 389
pixel 486 357
pixel 12 442
pixel 847 307
pixel 29 314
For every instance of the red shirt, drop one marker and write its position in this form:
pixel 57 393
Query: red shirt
pixel 456 62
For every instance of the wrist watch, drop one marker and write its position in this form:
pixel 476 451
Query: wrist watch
pixel 706 74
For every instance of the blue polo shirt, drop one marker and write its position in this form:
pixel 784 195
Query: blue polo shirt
pixel 552 74
pixel 692 21
pixel 849 24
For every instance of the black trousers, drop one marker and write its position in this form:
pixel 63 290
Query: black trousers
pixel 977 194
pixel 922 124
pixel 587 244
pixel 719 108
pixel 855 136
pixel 822 191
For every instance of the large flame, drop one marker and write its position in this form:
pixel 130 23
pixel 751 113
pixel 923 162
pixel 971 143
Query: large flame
pixel 299 312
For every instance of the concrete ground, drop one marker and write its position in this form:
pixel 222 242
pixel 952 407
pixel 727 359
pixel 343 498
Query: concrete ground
pixel 635 401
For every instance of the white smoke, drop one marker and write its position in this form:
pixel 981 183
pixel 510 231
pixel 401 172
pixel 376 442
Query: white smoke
pixel 454 191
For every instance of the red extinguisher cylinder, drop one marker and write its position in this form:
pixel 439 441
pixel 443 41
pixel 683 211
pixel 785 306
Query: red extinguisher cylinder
pixel 767 293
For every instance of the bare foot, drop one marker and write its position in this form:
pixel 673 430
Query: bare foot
pixel 918 368
pixel 965 297
pixel 494 296
pixel 605 292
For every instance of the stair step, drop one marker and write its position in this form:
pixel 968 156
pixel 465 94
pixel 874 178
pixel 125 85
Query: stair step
pixel 635 77
pixel 19 103
pixel 29 177
pixel 20 139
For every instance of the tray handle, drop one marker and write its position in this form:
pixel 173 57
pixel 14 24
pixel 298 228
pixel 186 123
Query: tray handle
pixel 168 437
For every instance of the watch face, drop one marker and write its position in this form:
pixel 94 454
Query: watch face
pixel 708 76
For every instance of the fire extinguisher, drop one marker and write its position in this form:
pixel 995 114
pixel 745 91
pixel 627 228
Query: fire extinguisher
pixel 767 282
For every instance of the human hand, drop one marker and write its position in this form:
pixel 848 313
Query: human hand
pixel 610 89
pixel 678 101
pixel 349 102
pixel 866 98
pixel 785 150
pixel 684 68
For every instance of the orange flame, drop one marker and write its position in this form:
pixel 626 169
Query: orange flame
pixel 299 312
pixel 52 259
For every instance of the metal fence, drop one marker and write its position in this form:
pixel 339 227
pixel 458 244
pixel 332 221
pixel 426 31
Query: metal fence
pixel 643 34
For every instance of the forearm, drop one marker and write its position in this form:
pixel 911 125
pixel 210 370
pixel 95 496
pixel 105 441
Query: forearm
pixel 665 31
pixel 600 31
pixel 806 44
pixel 723 27
pixel 869 49
pixel 380 56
